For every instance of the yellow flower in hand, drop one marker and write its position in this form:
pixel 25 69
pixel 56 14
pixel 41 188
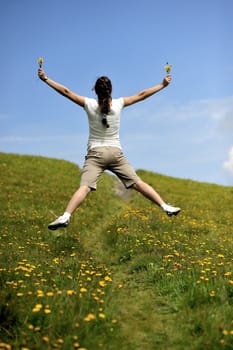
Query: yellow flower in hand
pixel 40 61
pixel 168 68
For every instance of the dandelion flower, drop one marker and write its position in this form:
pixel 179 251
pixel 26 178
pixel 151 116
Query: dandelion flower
pixel 102 283
pixel 89 317
pixel 40 62
pixel 70 292
pixel 168 68
pixel 5 346
pixel 45 339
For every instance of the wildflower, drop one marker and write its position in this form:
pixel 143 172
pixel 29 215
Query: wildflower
pixel 212 293
pixel 227 273
pixel 37 308
pixel 5 346
pixel 83 290
pixel 168 68
pixel 107 278
pixel 40 61
pixel 40 293
pixel 89 317
pixel 70 292
pixel 102 283
pixel 45 339
pixel 49 294
pixel 230 281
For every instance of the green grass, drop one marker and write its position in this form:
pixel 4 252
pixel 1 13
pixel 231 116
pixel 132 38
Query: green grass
pixel 123 275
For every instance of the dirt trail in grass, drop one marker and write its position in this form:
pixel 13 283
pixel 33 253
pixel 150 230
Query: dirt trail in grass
pixel 121 191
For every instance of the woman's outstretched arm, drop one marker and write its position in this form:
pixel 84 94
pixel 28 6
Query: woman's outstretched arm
pixel 142 95
pixel 64 91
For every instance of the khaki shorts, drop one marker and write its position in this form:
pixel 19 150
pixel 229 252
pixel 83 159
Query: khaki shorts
pixel 100 159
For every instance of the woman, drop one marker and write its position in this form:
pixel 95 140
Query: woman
pixel 104 150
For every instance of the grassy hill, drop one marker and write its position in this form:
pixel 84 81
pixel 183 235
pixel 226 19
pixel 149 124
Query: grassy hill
pixel 123 275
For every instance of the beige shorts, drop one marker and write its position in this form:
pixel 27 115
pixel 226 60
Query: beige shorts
pixel 100 159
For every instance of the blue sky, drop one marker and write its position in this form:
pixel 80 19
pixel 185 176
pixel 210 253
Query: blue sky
pixel 184 131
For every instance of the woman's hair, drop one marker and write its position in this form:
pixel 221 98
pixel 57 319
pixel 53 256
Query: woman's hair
pixel 103 89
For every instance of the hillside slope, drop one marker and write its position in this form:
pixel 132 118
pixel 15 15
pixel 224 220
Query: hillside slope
pixel 123 275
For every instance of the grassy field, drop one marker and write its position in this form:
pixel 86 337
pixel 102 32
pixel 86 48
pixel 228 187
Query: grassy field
pixel 123 275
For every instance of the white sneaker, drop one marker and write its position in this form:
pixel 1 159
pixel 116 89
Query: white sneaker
pixel 59 222
pixel 170 210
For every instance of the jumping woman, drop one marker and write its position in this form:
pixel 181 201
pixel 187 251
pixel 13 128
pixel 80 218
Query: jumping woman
pixel 104 151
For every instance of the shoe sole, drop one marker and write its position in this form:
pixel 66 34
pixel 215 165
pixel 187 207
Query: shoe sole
pixel 56 226
pixel 174 213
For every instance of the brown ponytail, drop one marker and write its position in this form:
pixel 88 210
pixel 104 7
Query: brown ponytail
pixel 103 89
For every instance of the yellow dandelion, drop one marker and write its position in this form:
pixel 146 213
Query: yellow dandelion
pixel 37 308
pixel 168 68
pixel 5 346
pixel 102 283
pixel 227 273
pixel 230 281
pixel 101 315
pixel 40 62
pixel 107 278
pixel 47 311
pixel 89 317
pixel 40 293
pixel 45 339
pixel 70 292
pixel 83 290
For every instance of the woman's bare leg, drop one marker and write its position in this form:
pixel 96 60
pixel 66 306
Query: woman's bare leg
pixel 75 201
pixel 77 198
pixel 148 192
pixel 152 195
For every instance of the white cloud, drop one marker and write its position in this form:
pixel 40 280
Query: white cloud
pixel 228 164
pixel 216 109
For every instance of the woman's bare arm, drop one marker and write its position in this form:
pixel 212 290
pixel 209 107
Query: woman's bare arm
pixel 61 89
pixel 142 95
